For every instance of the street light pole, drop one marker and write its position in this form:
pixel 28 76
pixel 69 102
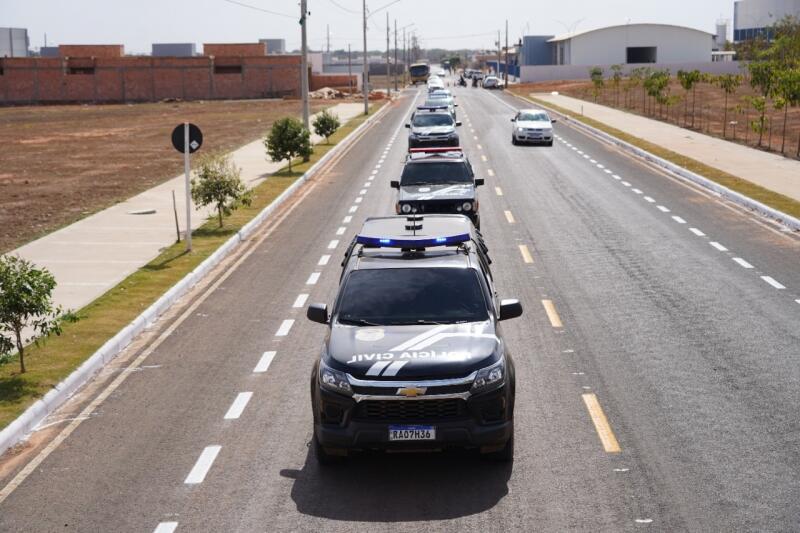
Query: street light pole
pixel 388 75
pixel 395 55
pixel 364 82
pixel 505 83
pixel 304 63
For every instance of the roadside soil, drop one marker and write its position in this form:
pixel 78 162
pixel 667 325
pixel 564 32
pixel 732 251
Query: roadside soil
pixel 61 163
pixel 709 115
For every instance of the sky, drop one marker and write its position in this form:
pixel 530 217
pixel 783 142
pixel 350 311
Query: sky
pixel 438 24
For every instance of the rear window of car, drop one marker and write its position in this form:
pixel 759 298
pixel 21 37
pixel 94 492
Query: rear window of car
pixel 435 173
pixel 400 296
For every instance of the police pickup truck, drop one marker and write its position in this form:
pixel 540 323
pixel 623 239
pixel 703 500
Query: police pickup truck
pixel 438 180
pixel 414 357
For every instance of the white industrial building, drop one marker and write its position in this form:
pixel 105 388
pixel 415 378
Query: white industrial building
pixel 632 43
pixel 752 18
pixel 14 42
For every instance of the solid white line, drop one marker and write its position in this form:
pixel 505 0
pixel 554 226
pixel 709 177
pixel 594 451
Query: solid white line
pixel 772 282
pixel 286 326
pixel 341 230
pixel 300 301
pixel 313 278
pixel 679 220
pixel 166 527
pixel 637 191
pixel 324 260
pixel 237 407
pixel 697 232
pixel 347 219
pixel 264 362
pixel 742 262
pixel 649 199
pixel 333 244
pixel 203 465
pixel 718 246
pixel 662 209
pixel 353 209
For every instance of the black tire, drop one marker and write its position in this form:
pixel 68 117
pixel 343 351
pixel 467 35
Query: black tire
pixel 550 143
pixel 323 457
pixel 477 222
pixel 504 455
pixel 514 140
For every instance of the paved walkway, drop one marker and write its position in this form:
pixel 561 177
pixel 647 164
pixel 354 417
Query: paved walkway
pixel 771 171
pixel 92 255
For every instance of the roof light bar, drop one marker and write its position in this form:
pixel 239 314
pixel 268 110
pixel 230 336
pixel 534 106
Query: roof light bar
pixel 412 242
pixel 436 150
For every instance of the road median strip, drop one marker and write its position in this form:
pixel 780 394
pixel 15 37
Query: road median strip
pixel 59 367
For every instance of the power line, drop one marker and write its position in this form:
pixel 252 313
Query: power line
pixel 256 8
pixel 459 36
pixel 345 9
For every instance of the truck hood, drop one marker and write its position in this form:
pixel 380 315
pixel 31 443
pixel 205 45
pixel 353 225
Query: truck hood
pixel 424 351
pixel 433 130
pixel 457 191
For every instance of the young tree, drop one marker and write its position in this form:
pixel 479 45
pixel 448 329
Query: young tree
pixel 325 124
pixel 729 83
pixel 759 124
pixel 26 294
pixel 788 90
pixel 288 139
pixel 635 77
pixel 596 74
pixel 762 77
pixel 616 79
pixel 689 81
pixel 217 182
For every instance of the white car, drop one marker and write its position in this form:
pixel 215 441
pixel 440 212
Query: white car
pixel 532 126
pixel 435 85
pixel 441 73
pixel 492 82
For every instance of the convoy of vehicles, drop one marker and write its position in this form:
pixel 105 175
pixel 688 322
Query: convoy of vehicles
pixel 414 359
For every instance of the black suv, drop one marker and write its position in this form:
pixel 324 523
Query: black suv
pixel 432 127
pixel 438 180
pixel 414 357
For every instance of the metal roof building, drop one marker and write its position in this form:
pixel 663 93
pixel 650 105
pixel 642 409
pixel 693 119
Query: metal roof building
pixel 752 18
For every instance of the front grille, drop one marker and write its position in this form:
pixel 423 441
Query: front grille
pixel 432 206
pixel 410 410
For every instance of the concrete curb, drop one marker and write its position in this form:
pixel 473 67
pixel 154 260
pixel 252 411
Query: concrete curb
pixel 682 173
pixel 19 429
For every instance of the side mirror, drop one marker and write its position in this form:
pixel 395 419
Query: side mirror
pixel 553 121
pixel 479 182
pixel 514 119
pixel 318 313
pixel 394 184
pixel 455 105
pixel 408 125
pixel 508 309
pixel 458 123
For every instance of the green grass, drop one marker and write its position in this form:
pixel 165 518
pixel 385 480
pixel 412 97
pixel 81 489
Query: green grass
pixel 756 192
pixel 52 361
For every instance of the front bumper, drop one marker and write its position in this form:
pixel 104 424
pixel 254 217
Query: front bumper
pixel 424 142
pixel 533 137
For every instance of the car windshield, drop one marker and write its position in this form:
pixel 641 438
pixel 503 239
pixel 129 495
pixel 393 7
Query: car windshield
pixel 430 173
pixel 412 296
pixel 424 120
pixel 534 117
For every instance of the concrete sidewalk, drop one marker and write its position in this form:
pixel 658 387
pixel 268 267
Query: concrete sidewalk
pixel 771 171
pixel 94 254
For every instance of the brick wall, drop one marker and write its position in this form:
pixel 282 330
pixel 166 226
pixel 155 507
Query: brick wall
pixel 146 79
pixel 91 50
pixel 334 81
pixel 235 49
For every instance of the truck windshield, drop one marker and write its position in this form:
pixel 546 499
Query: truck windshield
pixel 398 296
pixel 435 174
pixel 425 120
pixel 419 70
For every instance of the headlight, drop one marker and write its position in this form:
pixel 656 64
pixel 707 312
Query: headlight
pixel 334 380
pixel 520 129
pixel 491 377
pixel 405 208
pixel 466 206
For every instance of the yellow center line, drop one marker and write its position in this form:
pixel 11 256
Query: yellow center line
pixel 490 172
pixel 499 191
pixel 483 158
pixel 604 431
pixel 526 254
pixel 552 314
pixel 510 217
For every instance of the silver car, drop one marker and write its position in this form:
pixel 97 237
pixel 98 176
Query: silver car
pixel 532 126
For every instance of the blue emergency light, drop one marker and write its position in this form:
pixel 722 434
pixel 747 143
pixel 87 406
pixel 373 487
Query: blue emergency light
pixel 412 242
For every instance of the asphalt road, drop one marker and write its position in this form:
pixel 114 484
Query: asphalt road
pixel 690 356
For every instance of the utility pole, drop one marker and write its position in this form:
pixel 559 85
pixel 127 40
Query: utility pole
pixel 365 82
pixel 498 54
pixel 405 58
pixel 328 29
pixel 304 62
pixel 505 82
pixel 395 55
pixel 388 75
pixel 349 69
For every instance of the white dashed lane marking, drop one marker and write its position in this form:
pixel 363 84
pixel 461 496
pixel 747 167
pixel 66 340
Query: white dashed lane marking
pixel 333 244
pixel 742 262
pixel 313 278
pixel 697 232
pixel 285 328
pixel 649 199
pixel 359 199
pixel 679 220
pixel 772 282
pixel 300 301
pixel 509 217
pixel 637 191
pixel 203 465
pixel 616 177
pixel 264 362
pixel 341 230
pixel 718 246
pixel 166 527
pixel 237 407
pixel 353 209
pixel 347 219
pixel 625 183
pixel 662 209
pixel 324 260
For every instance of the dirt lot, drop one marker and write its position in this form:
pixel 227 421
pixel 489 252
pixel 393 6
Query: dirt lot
pixel 709 108
pixel 61 163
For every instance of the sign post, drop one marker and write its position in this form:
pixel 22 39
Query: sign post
pixel 187 138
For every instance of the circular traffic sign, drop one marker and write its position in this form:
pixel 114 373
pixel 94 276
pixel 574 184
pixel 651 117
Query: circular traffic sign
pixel 195 138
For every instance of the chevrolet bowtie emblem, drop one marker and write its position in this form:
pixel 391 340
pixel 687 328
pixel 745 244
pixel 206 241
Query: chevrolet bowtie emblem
pixel 411 392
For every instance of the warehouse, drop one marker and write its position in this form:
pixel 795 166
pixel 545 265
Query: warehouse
pixel 753 18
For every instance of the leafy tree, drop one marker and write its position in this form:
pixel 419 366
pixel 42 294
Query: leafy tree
pixel 788 91
pixel 763 75
pixel 288 139
pixel 616 79
pixel 759 124
pixel 656 85
pixel 325 124
pixel 729 83
pixel 217 182
pixel 635 77
pixel 689 81
pixel 596 74
pixel 26 302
